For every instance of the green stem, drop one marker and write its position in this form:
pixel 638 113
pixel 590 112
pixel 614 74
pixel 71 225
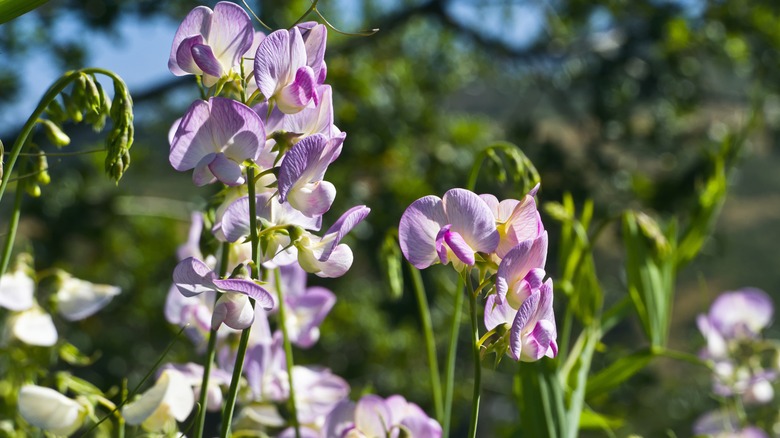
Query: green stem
pixel 230 403
pixel 54 90
pixel 449 379
pixel 477 364
pixel 430 343
pixel 200 421
pixel 13 225
pixel 288 354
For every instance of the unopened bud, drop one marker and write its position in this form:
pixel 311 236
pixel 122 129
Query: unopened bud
pixel 54 133
pixel 72 108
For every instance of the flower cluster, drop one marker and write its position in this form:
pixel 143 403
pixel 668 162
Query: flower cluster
pixel 506 238
pixel 742 362
pixel 264 131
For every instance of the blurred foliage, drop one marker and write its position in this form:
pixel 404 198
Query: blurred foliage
pixel 618 101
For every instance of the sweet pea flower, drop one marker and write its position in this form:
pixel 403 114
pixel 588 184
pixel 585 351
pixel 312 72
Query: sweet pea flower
pixel 193 373
pixel 78 299
pixel 193 277
pixel 282 73
pixel 449 229
pixel 33 327
pixel 736 315
pixel 717 424
pixel 169 400
pixel 51 411
pixel 324 256
pixel 16 291
pixel 306 307
pixel 524 302
pixel 317 392
pixel 271 213
pixel 315 37
pixel 516 221
pixel 302 171
pixel 211 43
pixel 215 137
pixel 373 417
pixel 309 121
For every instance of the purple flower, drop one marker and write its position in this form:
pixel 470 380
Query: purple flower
pixel 282 73
pixel 309 121
pixel 516 221
pixel 211 43
pixel 450 229
pixel 718 424
pixel 315 37
pixel 215 137
pixel 193 277
pixel 306 307
pixel 324 256
pixel 302 171
pixel 525 302
pixel 735 315
pixel 277 247
pixel 193 373
pixel 373 416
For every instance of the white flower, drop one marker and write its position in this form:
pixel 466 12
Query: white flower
pixel 50 410
pixel 34 327
pixel 16 291
pixel 78 299
pixel 171 398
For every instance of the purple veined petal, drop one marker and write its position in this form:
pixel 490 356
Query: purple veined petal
pixel 340 420
pixel 492 203
pixel 274 63
pixel 372 417
pixel 185 58
pixel 228 172
pixel 189 144
pixel 301 163
pixel 192 277
pixel 234 310
pixel 522 289
pixel 293 280
pixel 248 65
pixel 235 219
pixel 349 220
pixel 523 316
pixel 518 263
pixel 248 288
pixel 441 245
pixel 310 309
pixel 315 37
pixel 202 174
pixel 459 247
pixel 195 23
pixel 323 73
pixel 320 391
pixel 287 214
pixel 741 313
pixel 172 131
pixel 418 229
pixel 537 343
pixel 497 314
pixel 524 223
pixel 534 190
pixel 312 199
pixel 204 58
pixel 297 95
pixel 231 33
pixel 191 248
pixel 312 120
pixel 235 129
pixel 421 425
pixel 472 219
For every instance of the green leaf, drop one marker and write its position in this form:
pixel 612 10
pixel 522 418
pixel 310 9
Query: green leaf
pixel 593 420
pixel 10 9
pixel 617 373
pixel 392 264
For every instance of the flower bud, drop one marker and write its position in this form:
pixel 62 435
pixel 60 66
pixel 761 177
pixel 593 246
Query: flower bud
pixel 54 133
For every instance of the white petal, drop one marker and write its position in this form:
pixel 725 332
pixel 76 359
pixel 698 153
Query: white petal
pixel 171 398
pixel 34 327
pixel 50 410
pixel 16 291
pixel 78 299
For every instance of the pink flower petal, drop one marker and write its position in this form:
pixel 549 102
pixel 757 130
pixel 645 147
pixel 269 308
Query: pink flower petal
pixel 418 229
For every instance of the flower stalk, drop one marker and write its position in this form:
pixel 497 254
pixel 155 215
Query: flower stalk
pixel 477 364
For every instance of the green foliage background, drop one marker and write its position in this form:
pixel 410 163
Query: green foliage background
pixel 619 101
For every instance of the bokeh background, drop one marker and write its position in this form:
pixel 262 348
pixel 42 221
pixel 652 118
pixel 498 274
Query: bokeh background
pixel 614 100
